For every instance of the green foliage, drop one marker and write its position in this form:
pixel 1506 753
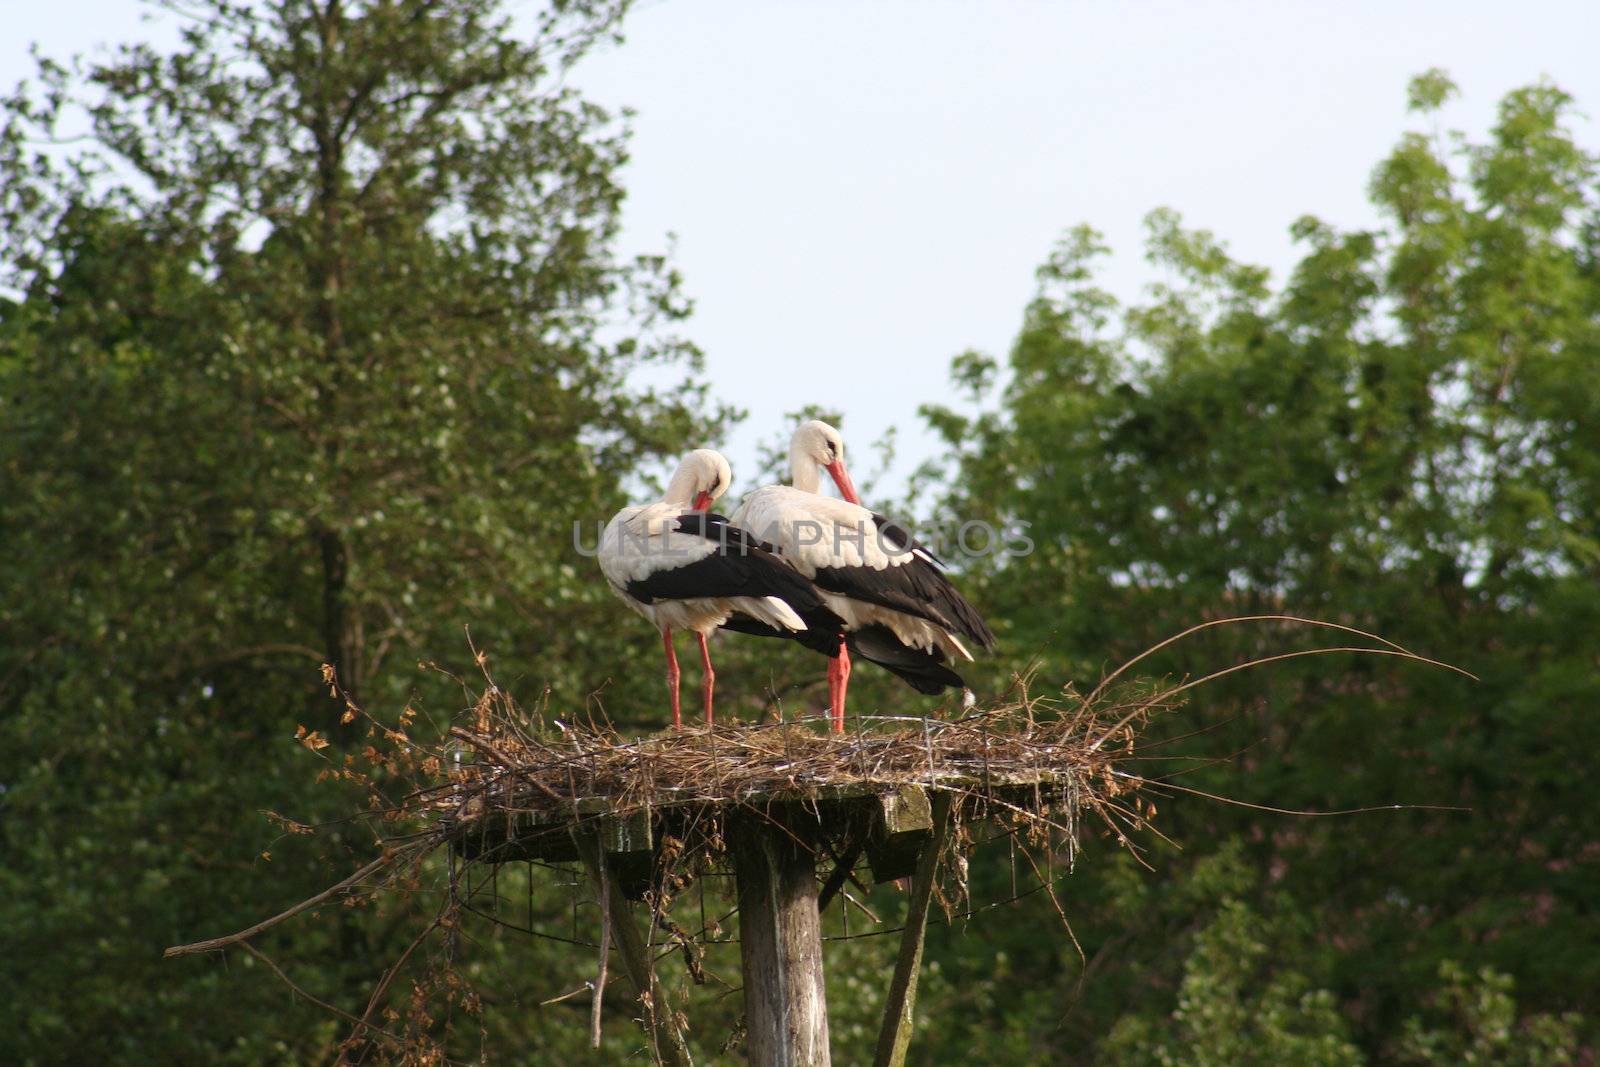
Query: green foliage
pixel 1399 438
pixel 1476 1022
pixel 1238 1002
pixel 1430 90
pixel 319 350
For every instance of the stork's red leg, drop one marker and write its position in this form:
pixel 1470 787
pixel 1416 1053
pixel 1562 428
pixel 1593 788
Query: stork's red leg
pixel 710 682
pixel 672 677
pixel 844 687
pixel 838 684
pixel 833 683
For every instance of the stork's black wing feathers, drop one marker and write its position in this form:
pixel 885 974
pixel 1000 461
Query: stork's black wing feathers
pixel 899 538
pixel 720 528
pixel 740 566
pixel 824 630
pixel 926 672
pixel 912 583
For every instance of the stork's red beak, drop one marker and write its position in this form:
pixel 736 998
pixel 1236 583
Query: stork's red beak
pixel 702 501
pixel 841 478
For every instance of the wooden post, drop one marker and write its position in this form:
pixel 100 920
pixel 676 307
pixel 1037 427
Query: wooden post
pixel 894 1037
pixel 664 1033
pixel 780 943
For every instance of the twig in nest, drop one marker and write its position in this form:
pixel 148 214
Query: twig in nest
pixel 485 745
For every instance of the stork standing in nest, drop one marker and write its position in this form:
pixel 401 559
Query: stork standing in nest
pixel 898 608
pixel 684 568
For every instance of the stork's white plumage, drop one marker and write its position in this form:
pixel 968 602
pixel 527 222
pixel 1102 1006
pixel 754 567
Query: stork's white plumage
pixel 898 608
pixel 684 568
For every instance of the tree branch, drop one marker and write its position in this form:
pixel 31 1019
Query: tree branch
pixel 214 943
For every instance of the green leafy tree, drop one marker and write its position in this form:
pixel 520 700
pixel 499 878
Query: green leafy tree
pixel 317 348
pixel 1399 438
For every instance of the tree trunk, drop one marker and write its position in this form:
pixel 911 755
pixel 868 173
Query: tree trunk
pixel 341 640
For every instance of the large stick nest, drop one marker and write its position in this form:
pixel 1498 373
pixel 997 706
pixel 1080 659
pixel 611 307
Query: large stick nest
pixel 732 763
pixel 1060 755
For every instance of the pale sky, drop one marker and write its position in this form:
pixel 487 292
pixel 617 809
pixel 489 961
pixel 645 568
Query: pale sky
pixel 862 189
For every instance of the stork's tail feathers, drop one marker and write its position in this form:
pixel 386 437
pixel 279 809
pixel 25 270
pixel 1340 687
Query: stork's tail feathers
pixel 924 671
pixel 820 630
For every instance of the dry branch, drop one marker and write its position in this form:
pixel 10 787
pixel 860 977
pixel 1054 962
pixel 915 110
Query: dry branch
pixel 384 862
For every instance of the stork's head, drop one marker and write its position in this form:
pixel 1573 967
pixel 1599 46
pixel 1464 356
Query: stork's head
pixel 702 478
pixel 819 443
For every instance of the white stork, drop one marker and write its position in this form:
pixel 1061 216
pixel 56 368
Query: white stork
pixel 683 568
pixel 898 608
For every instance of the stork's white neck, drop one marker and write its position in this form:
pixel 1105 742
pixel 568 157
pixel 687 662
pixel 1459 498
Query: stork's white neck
pixel 805 473
pixel 681 489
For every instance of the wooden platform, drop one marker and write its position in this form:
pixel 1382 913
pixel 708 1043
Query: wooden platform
pixel 889 822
